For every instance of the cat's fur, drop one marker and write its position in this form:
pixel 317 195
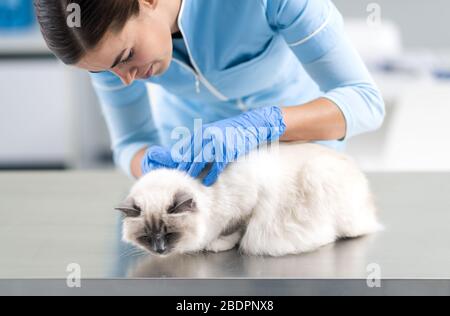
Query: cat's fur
pixel 288 200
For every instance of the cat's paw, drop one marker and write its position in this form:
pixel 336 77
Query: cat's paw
pixel 223 243
pixel 220 245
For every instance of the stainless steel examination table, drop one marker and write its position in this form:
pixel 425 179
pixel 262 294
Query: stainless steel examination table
pixel 52 220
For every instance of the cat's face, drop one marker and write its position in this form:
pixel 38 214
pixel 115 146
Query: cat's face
pixel 162 215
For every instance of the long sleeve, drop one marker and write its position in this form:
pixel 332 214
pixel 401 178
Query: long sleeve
pixel 127 113
pixel 314 31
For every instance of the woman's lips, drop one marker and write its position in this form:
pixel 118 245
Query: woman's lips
pixel 149 72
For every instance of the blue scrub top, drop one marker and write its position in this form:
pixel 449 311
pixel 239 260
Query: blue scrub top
pixel 238 55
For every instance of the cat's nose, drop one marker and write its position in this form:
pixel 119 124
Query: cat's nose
pixel 159 245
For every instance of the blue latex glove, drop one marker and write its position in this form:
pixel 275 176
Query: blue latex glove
pixel 157 157
pixel 222 142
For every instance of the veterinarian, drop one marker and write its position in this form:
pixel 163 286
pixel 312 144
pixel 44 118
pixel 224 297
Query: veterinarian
pixel 286 65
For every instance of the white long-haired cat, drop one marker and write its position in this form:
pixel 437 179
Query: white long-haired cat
pixel 288 200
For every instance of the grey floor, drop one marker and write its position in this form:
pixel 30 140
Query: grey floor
pixel 49 220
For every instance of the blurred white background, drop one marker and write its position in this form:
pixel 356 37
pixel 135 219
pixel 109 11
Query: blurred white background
pixel 50 119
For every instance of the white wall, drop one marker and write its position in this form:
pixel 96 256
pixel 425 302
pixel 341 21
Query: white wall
pixel 424 24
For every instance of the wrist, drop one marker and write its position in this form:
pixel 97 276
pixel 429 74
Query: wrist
pixel 273 119
pixel 137 163
pixel 279 121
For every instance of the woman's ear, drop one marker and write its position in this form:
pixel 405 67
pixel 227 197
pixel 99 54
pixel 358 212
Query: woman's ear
pixel 129 208
pixel 151 4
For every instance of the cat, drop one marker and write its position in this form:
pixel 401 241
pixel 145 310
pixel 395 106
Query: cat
pixel 289 199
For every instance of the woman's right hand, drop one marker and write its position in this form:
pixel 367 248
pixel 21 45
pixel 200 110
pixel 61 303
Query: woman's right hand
pixel 157 157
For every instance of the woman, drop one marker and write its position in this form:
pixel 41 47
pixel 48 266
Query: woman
pixel 283 65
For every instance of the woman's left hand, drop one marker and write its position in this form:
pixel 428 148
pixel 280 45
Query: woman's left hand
pixel 225 141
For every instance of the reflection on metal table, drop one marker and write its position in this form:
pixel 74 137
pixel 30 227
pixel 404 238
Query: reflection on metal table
pixel 52 219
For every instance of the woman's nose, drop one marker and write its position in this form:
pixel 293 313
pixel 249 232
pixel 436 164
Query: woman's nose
pixel 128 76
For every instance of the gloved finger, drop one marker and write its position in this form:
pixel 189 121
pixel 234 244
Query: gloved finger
pixel 184 166
pixel 147 166
pixel 213 174
pixel 156 157
pixel 196 169
pixel 160 156
pixel 183 153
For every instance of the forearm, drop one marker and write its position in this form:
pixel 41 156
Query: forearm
pixel 136 169
pixel 320 119
pixel 127 112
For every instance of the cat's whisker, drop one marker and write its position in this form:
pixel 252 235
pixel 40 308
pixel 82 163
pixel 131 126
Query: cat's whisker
pixel 132 252
pixel 137 251
pixel 140 254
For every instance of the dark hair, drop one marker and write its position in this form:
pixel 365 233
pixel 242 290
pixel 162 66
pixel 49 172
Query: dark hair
pixel 70 44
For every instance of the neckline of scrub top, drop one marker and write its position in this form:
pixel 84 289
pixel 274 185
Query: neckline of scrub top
pixel 177 35
pixel 180 48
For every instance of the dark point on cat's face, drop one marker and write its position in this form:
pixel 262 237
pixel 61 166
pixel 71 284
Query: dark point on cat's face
pixel 158 228
pixel 159 243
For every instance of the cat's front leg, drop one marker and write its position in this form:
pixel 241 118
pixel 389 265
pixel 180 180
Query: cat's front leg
pixel 224 243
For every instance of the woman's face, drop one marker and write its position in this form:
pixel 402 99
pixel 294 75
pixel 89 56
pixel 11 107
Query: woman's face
pixel 143 48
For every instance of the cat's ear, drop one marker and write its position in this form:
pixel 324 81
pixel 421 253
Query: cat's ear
pixel 129 208
pixel 183 203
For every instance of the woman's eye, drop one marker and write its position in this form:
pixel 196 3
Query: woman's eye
pixel 129 58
